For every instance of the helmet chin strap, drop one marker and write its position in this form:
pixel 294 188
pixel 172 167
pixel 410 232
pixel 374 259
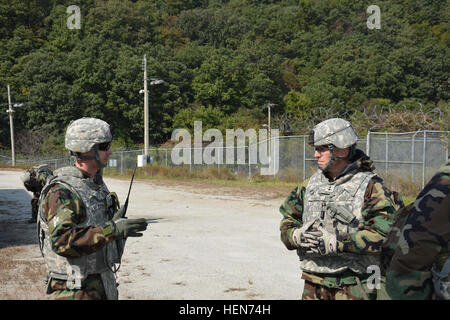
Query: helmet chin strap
pixel 333 158
pixel 95 157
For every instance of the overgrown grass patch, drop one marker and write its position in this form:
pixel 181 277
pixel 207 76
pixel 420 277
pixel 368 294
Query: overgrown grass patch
pixel 222 176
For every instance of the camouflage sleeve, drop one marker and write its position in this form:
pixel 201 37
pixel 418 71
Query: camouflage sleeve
pixel 378 213
pixel 292 212
pixel 419 240
pixel 64 211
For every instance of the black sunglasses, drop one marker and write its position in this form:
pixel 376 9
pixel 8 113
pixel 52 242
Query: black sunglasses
pixel 105 146
pixel 321 149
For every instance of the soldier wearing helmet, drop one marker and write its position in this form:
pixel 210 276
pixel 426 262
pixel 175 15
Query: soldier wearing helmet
pixel 338 218
pixel 81 235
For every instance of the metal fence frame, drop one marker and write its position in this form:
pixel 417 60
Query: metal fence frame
pixel 425 161
pixel 300 159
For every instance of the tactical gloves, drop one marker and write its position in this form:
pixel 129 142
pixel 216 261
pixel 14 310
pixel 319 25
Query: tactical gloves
pixel 118 214
pixel 129 228
pixel 315 240
pixel 323 241
pixel 304 240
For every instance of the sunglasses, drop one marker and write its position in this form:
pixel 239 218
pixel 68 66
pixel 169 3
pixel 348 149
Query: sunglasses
pixel 105 146
pixel 321 149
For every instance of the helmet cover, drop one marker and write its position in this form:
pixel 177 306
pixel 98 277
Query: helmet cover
pixel 336 131
pixel 84 133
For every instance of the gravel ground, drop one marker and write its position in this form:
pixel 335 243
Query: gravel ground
pixel 209 242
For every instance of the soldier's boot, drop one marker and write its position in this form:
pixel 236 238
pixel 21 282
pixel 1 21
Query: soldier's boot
pixel 33 218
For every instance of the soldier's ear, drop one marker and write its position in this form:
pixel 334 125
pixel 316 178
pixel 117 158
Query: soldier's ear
pixel 341 153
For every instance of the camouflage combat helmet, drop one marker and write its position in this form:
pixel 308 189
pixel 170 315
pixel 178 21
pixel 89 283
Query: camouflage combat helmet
pixel 336 131
pixel 85 134
pixel 333 133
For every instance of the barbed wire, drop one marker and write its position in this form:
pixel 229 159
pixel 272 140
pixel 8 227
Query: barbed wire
pixel 374 116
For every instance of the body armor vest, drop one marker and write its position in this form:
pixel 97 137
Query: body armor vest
pixel 337 207
pixel 94 198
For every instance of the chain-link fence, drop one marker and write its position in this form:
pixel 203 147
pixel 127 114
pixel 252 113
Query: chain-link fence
pixel 411 156
pixel 52 161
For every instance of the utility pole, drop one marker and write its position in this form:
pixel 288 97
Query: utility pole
pixel 153 82
pixel 268 106
pixel 270 131
pixel 11 127
pixel 146 140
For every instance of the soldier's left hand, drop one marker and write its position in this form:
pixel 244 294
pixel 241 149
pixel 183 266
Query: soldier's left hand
pixel 118 214
pixel 324 241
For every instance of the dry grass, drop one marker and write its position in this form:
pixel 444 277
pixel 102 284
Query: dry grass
pixel 182 172
pixel 284 181
pixel 404 186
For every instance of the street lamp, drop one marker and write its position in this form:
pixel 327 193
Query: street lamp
pixel 11 124
pixel 153 81
pixel 268 106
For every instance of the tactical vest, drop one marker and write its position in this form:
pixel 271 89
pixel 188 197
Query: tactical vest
pixel 337 206
pixel 94 198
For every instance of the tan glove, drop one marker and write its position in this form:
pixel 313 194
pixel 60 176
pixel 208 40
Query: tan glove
pixel 320 241
pixel 303 239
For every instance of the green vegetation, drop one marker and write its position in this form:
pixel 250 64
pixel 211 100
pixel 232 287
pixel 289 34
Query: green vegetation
pixel 221 60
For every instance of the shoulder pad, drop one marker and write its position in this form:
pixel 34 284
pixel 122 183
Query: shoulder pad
pixel 68 171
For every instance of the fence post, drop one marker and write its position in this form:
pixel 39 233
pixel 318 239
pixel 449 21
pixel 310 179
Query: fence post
pixel 121 162
pixel 424 157
pixel 368 144
pixel 446 152
pixel 304 158
pixel 274 160
pixel 387 154
pixel 249 162
pixel 190 162
pixel 412 154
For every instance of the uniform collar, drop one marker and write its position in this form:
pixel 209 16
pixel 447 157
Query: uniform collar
pixel 359 162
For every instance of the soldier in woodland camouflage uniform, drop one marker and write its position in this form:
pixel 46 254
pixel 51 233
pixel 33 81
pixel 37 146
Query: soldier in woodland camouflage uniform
pixel 338 218
pixel 80 231
pixel 34 179
pixel 416 252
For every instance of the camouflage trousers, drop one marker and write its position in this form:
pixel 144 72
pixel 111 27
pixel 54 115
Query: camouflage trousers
pixel 339 287
pixel 91 289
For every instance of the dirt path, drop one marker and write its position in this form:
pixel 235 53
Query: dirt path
pixel 210 242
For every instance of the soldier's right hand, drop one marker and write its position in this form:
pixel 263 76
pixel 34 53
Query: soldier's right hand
pixel 304 239
pixel 129 227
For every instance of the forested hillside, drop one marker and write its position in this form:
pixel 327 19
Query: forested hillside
pixel 222 60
